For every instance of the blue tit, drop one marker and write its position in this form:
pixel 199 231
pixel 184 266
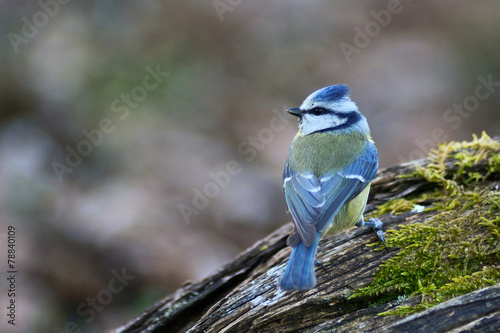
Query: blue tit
pixel 326 179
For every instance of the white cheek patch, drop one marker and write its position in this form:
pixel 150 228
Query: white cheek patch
pixel 311 123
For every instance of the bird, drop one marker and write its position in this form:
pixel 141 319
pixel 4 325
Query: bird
pixel 326 178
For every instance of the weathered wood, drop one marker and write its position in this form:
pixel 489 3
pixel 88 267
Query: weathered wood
pixel 244 295
pixel 476 312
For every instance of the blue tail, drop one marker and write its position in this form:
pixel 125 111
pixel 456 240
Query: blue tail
pixel 299 273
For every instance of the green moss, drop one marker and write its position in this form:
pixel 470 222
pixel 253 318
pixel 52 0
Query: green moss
pixel 395 207
pixel 455 252
pixel 466 155
pixel 401 205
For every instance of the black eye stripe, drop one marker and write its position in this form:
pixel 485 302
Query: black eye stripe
pixel 317 111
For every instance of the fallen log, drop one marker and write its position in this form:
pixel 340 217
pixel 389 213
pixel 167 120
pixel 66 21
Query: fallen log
pixel 244 295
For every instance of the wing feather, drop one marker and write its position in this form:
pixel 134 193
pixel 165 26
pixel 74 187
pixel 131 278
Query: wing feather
pixel 305 202
pixel 312 202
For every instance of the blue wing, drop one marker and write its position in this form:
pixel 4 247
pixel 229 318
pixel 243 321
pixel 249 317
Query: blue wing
pixel 305 201
pixel 345 185
pixel 312 202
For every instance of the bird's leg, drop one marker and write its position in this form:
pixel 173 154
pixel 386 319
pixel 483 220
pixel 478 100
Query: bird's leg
pixel 376 225
pixel 319 263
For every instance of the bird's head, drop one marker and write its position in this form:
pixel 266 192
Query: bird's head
pixel 330 109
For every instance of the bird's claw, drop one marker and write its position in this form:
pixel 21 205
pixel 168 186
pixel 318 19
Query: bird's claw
pixel 376 225
pixel 319 263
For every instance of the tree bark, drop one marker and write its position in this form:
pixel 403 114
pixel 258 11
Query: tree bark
pixel 244 295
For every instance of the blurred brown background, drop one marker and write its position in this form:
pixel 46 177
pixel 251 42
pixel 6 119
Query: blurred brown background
pixel 142 143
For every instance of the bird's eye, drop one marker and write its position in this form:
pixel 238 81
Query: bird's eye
pixel 317 111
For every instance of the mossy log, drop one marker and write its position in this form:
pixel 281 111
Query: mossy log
pixel 244 295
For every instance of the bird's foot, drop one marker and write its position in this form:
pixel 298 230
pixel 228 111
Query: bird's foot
pixel 319 263
pixel 376 225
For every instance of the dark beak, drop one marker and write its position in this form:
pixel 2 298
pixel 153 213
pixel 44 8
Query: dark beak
pixel 294 112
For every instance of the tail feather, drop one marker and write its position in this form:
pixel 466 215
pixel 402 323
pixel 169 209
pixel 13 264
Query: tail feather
pixel 299 273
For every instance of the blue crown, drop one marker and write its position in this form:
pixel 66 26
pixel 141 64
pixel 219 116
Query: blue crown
pixel 332 93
